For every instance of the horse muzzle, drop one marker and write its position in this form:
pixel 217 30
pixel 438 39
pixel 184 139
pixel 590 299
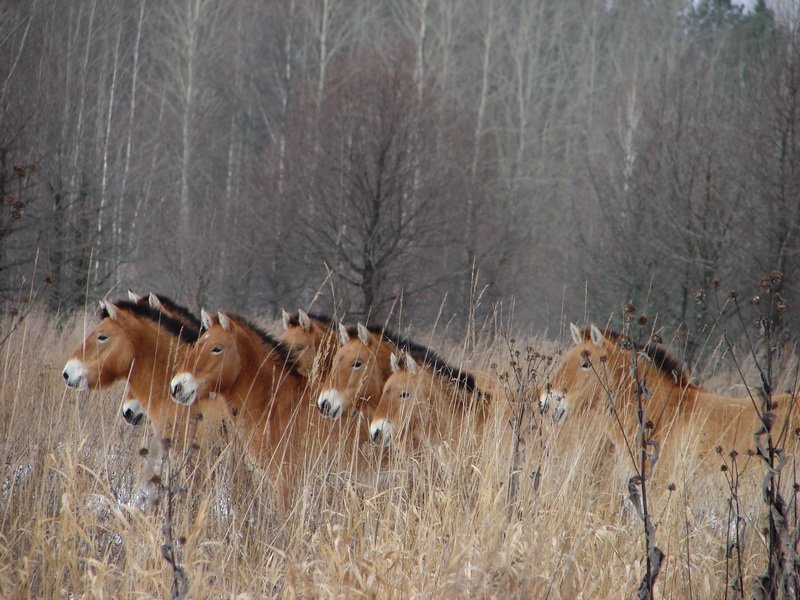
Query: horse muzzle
pixel 132 412
pixel 330 404
pixel 381 433
pixel 183 389
pixel 74 375
pixel 554 402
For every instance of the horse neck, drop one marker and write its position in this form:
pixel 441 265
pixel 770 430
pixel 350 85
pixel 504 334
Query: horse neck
pixel 326 346
pixel 156 354
pixel 264 380
pixel 382 370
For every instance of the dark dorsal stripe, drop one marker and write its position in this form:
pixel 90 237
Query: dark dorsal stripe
pixel 660 356
pixel 284 352
pixel 422 354
pixel 174 326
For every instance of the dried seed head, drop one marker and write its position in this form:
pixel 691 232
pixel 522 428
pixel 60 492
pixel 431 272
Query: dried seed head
pixel 656 339
pixel 649 425
pixel 671 487
pixel 143 451
pixel 642 320
pixel 776 276
pixel 49 278
pixel 155 480
pixel 20 170
pixel 604 358
pixel 718 449
pixel 700 296
pixel 715 282
pixel 756 300
pixel 182 540
pixel 723 468
pixel 733 294
pixel 628 308
pixel 585 354
pixel 765 282
pixel 625 342
pixel 733 454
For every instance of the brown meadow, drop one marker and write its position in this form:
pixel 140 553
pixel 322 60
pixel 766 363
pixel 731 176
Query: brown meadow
pixel 84 507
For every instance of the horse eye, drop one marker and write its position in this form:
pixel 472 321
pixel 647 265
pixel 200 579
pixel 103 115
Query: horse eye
pixel 405 395
pixel 216 350
pixel 357 364
pixel 102 337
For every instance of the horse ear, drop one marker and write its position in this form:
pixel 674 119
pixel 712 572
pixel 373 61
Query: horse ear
pixel 112 311
pixel 305 321
pixel 285 317
pixel 597 336
pixel 154 302
pixel 394 363
pixel 411 364
pixel 344 337
pixel 206 319
pixel 363 334
pixel 224 321
pixel 575 332
pixel 136 298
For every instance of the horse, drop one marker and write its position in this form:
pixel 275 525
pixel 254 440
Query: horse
pixel 264 390
pixel 423 404
pixel 133 410
pixel 312 339
pixel 602 376
pixel 141 345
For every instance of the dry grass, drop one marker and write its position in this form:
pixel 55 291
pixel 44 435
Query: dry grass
pixel 80 516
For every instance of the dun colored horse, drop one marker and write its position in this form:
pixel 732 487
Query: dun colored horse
pixel 133 411
pixel 600 378
pixel 141 345
pixel 267 396
pixel 312 339
pixel 425 404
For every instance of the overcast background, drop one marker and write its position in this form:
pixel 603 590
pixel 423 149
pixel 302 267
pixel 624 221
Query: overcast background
pixel 424 158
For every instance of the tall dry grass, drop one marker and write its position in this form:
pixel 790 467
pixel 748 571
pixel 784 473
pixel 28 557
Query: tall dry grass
pixel 83 508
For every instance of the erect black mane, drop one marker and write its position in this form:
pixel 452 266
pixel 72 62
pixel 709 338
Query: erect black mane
pixel 423 355
pixel 283 351
pixel 174 326
pixel 329 322
pixel 184 313
pixel 660 356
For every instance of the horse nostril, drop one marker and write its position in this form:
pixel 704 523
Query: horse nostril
pixel 376 435
pixel 65 375
pixel 176 389
pixel 325 407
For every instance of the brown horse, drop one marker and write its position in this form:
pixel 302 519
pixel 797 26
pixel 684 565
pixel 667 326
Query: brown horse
pixel 425 404
pixel 599 379
pixel 133 411
pixel 312 339
pixel 267 396
pixel 141 345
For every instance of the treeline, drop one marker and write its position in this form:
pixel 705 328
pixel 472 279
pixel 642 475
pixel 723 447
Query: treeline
pixel 424 158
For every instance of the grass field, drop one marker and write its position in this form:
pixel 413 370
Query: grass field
pixel 85 512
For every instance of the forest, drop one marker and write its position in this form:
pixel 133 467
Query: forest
pixel 419 160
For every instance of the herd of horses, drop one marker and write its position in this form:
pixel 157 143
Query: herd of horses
pixel 344 394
